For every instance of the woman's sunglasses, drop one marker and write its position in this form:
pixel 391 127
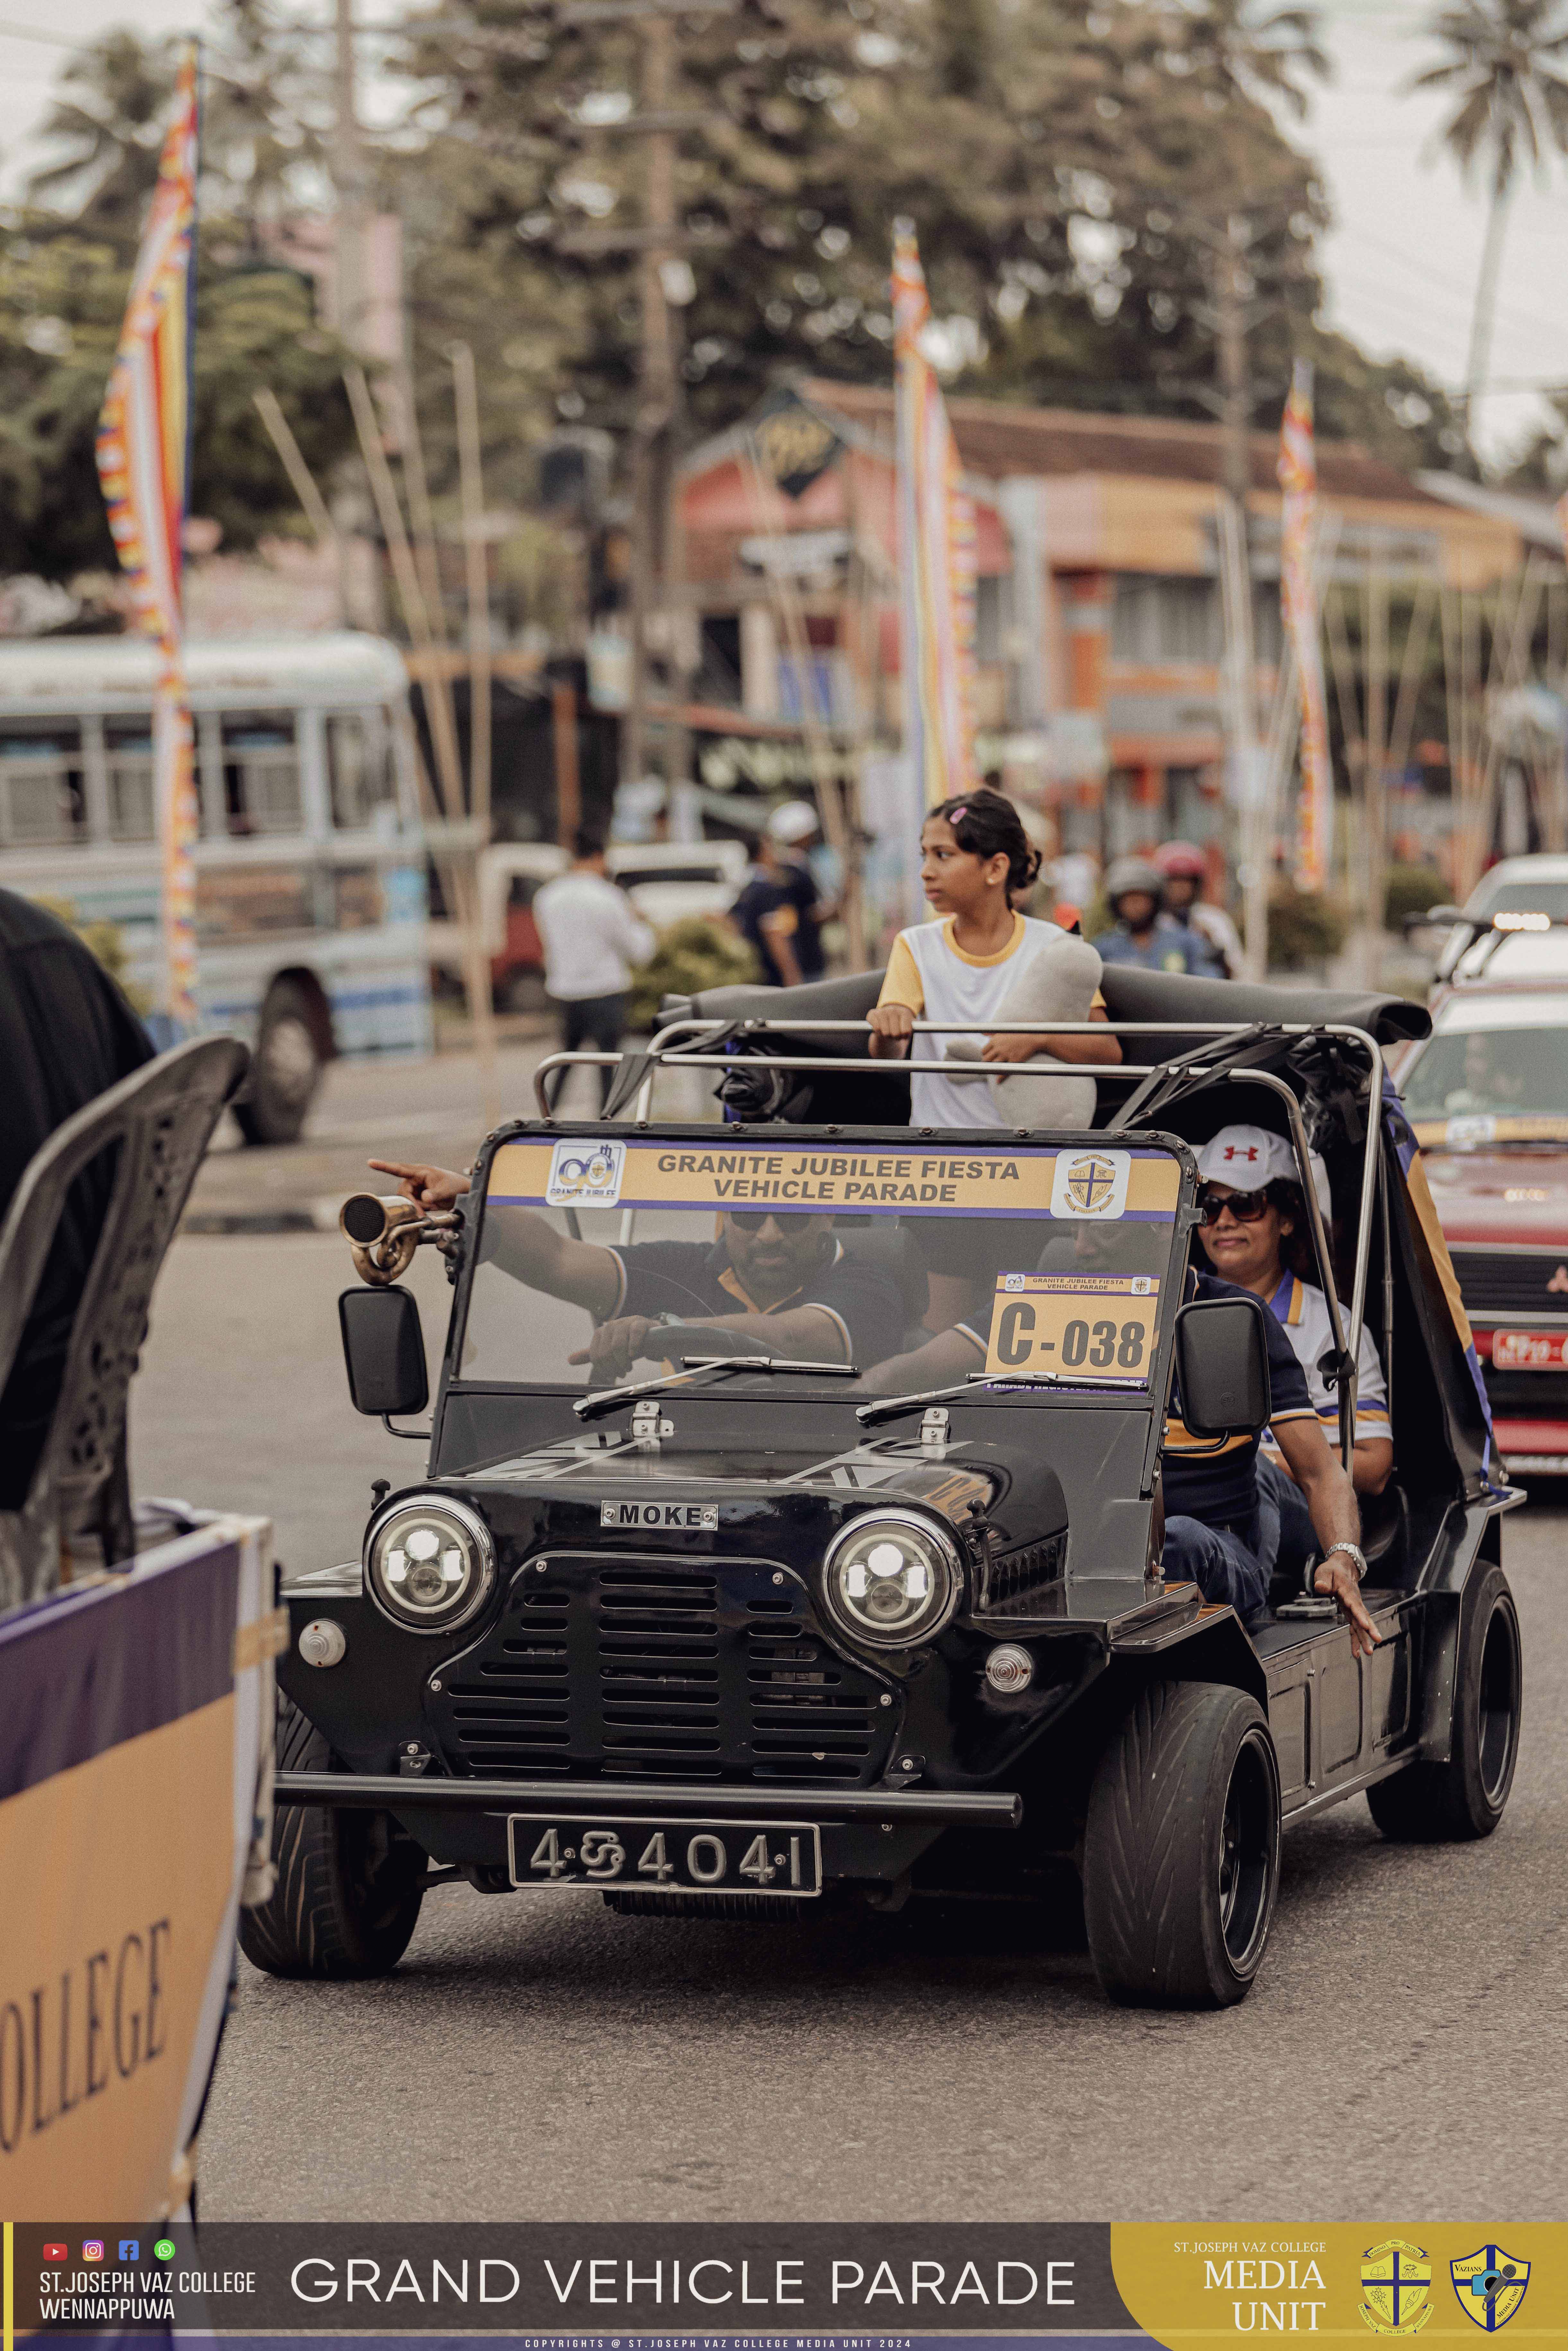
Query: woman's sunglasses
pixel 1247 1207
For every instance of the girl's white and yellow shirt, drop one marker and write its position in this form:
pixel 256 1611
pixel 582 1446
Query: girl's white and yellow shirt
pixel 930 973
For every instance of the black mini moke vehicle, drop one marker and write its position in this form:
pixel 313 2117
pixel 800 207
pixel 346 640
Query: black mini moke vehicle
pixel 716 1627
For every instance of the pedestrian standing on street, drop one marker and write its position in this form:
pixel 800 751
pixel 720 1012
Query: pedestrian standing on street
pixel 779 913
pixel 1186 870
pixel 592 936
pixel 1143 934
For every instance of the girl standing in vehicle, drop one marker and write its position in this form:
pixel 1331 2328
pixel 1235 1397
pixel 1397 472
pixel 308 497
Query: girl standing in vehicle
pixel 974 854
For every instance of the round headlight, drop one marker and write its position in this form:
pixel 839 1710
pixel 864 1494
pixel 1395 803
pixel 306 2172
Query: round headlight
pixel 892 1580
pixel 430 1563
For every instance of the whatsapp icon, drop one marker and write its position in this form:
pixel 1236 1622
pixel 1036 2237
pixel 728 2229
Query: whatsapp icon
pixel 164 2250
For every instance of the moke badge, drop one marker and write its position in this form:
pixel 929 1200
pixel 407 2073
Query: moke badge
pixel 1490 2284
pixel 661 1517
pixel 1091 1184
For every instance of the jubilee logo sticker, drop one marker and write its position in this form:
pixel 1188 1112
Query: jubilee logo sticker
pixel 585 1175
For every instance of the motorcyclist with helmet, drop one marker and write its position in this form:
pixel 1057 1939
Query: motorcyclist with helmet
pixel 1186 870
pixel 1143 933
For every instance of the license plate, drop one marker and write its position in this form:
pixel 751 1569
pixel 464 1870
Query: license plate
pixel 774 1857
pixel 1530 1351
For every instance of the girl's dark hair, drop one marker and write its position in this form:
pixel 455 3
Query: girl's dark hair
pixel 1296 1245
pixel 987 824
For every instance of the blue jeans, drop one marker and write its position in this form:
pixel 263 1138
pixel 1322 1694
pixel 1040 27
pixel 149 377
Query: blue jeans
pixel 1224 1565
pixel 1282 1502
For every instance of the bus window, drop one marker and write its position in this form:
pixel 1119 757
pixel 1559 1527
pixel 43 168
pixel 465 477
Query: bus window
pixel 128 752
pixel 261 772
pixel 359 769
pixel 41 797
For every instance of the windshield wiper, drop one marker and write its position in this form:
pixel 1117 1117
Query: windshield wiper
pixel 870 1415
pixel 594 1407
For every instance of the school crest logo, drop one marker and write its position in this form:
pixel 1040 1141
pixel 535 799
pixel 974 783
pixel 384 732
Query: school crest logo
pixel 585 1174
pixel 1395 2288
pixel 1491 2285
pixel 1091 1184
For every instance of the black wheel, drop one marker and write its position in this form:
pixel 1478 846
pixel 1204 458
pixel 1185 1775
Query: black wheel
pixel 348 1892
pixel 1181 1853
pixel 1428 1803
pixel 286 1067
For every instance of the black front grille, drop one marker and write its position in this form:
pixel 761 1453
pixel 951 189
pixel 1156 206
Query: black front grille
pixel 1014 1584
pixel 642 1668
pixel 1513 1281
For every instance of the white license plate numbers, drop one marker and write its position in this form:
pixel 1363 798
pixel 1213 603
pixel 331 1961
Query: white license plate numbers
pixel 1530 1351
pixel 778 1857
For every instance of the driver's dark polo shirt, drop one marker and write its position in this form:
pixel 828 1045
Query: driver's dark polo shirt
pixel 687 1279
pixel 1217 1484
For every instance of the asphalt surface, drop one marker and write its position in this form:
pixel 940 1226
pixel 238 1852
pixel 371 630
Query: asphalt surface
pixel 1404 2050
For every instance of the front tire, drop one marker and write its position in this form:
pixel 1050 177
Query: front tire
pixel 348 1883
pixel 287 1069
pixel 1430 1804
pixel 1181 1857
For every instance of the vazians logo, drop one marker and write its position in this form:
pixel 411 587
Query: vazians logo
pixel 585 1174
pixel 1490 2284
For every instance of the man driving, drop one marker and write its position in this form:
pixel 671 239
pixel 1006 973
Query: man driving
pixel 780 1279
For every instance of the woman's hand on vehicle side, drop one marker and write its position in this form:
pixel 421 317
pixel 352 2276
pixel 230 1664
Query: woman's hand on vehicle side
pixel 1336 1575
pixel 431 1187
pixel 892 1027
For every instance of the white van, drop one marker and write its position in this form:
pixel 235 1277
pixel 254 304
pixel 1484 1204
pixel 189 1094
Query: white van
pixel 311 869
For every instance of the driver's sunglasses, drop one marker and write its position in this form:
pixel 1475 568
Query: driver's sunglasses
pixel 1247 1207
pixel 751 1221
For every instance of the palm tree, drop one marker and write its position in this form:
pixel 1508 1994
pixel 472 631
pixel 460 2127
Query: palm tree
pixel 1256 53
pixel 1504 68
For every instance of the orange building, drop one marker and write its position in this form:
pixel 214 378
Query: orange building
pixel 1099 622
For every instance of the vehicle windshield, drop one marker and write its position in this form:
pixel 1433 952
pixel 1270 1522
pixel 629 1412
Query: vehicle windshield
pixel 602 1262
pixel 1518 1077
pixel 1549 898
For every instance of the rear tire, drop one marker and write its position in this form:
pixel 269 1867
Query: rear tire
pixel 1429 1803
pixel 348 1894
pixel 1181 1857
pixel 286 1068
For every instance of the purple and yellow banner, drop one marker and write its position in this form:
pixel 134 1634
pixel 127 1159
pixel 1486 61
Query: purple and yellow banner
pixel 136 1721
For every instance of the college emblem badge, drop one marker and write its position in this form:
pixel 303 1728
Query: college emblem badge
pixel 1395 2288
pixel 1491 2285
pixel 1091 1184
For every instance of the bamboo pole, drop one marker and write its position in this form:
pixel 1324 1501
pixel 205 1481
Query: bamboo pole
pixel 1411 661
pixel 477 569
pixel 1375 665
pixel 302 481
pixel 462 869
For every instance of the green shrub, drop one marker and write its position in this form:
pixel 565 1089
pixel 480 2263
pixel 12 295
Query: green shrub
pixel 1304 928
pixel 692 955
pixel 1411 890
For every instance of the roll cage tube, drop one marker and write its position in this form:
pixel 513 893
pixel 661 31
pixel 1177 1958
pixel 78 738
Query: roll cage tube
pixel 666 1050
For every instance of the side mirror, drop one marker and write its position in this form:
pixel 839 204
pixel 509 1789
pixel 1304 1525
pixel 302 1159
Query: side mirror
pixel 1222 1366
pixel 1435 918
pixel 383 1349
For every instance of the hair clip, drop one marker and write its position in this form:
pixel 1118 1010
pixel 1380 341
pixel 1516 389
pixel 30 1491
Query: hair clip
pixel 959 813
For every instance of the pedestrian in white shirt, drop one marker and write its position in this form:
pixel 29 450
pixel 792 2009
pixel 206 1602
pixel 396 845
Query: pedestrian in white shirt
pixel 593 936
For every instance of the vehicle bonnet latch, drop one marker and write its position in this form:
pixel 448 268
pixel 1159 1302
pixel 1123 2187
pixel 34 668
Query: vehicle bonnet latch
pixel 934 1428
pixel 647 1427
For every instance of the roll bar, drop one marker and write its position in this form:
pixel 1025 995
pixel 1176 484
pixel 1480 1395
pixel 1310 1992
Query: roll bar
pixel 685 1043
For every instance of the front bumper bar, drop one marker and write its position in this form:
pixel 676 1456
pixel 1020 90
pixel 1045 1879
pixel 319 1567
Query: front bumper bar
pixel 660 1800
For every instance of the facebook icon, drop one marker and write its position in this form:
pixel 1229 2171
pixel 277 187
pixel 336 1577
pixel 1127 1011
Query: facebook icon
pixel 129 2249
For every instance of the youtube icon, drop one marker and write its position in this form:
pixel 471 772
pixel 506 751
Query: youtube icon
pixel 57 2252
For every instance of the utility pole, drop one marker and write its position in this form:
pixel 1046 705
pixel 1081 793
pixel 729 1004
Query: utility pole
pixel 349 185
pixel 1245 781
pixel 660 245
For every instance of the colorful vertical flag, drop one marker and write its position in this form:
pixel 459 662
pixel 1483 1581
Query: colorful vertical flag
pixel 1299 605
pixel 143 465
pixel 937 554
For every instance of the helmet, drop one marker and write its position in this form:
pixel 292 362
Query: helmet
pixel 1177 859
pixel 1128 874
pixel 792 822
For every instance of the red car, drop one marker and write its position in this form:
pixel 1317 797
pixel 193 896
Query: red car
pixel 1488 1097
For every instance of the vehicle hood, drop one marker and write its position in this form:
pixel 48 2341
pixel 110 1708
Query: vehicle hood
pixel 1502 1196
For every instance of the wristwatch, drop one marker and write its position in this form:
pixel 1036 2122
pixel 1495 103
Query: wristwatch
pixel 1353 1551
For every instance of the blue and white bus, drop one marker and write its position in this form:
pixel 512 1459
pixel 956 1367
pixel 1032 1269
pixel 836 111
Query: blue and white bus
pixel 311 870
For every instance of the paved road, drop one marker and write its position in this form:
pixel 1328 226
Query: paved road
pixel 1404 2050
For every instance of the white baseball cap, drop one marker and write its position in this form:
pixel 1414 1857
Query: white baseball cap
pixel 792 821
pixel 1247 1157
